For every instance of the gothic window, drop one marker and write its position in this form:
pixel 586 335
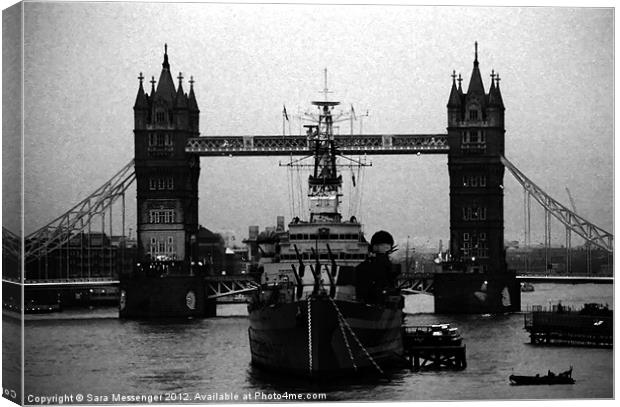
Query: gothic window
pixel 474 213
pixel 473 136
pixel 474 245
pixel 162 247
pixel 153 247
pixel 474 181
pixel 161 216
pixel 161 183
pixel 160 116
pixel 473 113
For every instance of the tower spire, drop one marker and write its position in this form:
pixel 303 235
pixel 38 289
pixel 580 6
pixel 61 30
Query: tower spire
pixel 475 83
pixel 181 98
pixel 455 96
pixel 193 106
pixel 141 101
pixel 166 64
pixel 476 53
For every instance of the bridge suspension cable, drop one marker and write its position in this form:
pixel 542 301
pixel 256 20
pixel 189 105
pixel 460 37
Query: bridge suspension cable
pixel 587 230
pixel 62 229
pixel 11 245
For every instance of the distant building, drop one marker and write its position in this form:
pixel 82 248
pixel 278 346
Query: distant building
pixel 268 234
pixel 214 253
pixel 532 260
pixel 86 255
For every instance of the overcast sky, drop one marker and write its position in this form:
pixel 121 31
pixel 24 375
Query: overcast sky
pixel 556 64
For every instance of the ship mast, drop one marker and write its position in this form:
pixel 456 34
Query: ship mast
pixel 324 183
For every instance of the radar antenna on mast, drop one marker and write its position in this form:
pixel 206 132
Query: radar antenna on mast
pixel 325 90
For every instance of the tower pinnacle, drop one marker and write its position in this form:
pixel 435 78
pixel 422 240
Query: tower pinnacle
pixel 476 53
pixel 166 64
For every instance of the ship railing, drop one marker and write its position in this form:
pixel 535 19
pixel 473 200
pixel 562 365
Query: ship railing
pixel 418 329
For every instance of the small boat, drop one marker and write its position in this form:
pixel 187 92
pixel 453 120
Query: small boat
pixel 432 335
pixel 527 287
pixel 550 378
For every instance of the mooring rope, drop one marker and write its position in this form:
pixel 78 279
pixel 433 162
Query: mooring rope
pixel 341 317
pixel 309 335
pixel 346 342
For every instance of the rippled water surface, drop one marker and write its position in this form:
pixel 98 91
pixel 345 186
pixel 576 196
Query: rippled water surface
pixel 101 356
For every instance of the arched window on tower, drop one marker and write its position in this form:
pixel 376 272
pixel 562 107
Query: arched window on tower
pixel 153 247
pixel 160 116
pixel 473 111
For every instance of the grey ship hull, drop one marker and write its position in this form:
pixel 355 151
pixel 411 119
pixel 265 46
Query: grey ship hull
pixel 280 340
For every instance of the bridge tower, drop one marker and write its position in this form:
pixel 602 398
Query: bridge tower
pixel 166 176
pixel 164 283
pixel 476 139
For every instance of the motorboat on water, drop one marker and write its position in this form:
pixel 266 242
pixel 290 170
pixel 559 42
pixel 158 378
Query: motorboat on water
pixel 550 378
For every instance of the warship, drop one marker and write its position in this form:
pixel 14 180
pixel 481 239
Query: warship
pixel 328 302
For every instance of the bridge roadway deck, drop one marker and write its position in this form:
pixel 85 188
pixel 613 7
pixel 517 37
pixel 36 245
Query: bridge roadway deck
pixel 300 145
pixel 95 281
pixel 566 279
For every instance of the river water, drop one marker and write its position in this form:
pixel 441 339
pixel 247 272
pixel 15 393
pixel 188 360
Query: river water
pixel 94 353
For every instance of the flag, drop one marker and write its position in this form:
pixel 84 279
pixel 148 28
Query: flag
pixel 284 112
pixel 353 113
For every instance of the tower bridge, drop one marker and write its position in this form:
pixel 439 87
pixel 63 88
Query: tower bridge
pixel 166 169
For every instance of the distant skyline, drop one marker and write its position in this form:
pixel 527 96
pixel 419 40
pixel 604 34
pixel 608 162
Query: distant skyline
pixel 82 61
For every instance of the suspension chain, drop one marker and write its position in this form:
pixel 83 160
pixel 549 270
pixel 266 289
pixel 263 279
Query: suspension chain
pixel 341 317
pixel 309 335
